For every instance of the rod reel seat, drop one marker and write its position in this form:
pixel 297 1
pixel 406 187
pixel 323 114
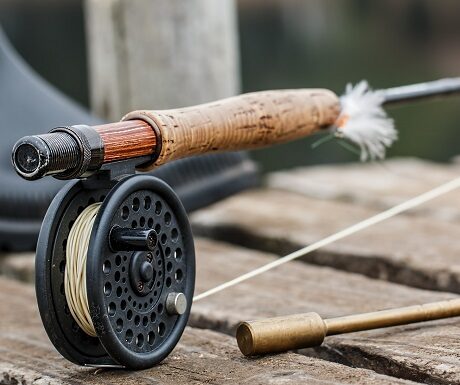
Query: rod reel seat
pixel 140 270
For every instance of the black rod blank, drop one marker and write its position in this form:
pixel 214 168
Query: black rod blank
pixel 421 91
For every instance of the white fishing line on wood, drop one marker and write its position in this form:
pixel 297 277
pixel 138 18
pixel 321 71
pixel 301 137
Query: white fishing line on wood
pixel 75 268
pixel 387 214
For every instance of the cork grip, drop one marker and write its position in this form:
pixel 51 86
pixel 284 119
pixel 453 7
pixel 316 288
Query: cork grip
pixel 247 121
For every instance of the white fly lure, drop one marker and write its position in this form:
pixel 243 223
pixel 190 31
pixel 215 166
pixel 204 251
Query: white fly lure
pixel 364 122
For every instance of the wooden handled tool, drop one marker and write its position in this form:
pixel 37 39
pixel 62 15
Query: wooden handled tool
pixel 247 121
pixel 307 330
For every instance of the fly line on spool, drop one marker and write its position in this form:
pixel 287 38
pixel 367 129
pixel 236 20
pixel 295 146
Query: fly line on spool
pixel 75 269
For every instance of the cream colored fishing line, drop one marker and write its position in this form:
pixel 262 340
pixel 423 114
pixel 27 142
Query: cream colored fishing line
pixel 75 268
pixel 384 215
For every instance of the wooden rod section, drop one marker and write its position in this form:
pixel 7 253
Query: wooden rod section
pixel 393 317
pixel 127 139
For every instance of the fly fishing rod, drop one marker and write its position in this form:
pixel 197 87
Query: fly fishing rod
pixel 247 121
pixel 115 262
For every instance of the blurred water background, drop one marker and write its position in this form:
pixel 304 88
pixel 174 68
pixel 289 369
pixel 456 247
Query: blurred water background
pixel 292 44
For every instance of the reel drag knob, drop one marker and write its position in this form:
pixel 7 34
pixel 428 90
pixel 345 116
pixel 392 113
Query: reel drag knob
pixel 140 273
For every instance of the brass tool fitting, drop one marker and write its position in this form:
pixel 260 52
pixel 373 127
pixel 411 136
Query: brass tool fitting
pixel 298 331
pixel 280 334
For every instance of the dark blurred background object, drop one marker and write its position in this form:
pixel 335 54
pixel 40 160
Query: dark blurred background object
pixel 29 104
pixel 293 43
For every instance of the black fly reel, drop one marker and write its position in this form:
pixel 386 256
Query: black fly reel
pixel 140 272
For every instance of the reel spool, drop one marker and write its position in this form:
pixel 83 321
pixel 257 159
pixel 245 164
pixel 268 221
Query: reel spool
pixel 140 271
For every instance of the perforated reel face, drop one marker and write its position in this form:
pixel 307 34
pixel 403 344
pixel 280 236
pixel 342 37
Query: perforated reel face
pixel 134 328
pixel 128 290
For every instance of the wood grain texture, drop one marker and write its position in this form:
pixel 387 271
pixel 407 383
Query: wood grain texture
pixel 124 140
pixel 426 352
pixel 201 357
pixel 375 185
pixel 243 122
pixel 416 251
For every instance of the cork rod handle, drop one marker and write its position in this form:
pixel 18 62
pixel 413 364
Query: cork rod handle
pixel 247 121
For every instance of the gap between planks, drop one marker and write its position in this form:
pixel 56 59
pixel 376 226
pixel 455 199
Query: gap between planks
pixel 201 357
pixel 415 251
pixel 378 185
pixel 426 352
pixel 295 288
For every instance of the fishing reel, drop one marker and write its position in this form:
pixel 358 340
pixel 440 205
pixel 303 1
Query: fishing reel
pixel 139 270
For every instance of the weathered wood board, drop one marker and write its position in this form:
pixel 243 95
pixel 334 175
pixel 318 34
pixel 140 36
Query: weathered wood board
pixel 27 357
pixel 416 251
pixel 426 352
pixel 375 185
pixel 19 266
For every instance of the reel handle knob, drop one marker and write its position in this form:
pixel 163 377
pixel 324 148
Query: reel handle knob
pixel 128 239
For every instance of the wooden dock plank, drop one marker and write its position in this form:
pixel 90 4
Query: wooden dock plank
pixel 298 287
pixel 375 185
pixel 201 357
pixel 411 250
pixel 426 352
pixel 18 266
